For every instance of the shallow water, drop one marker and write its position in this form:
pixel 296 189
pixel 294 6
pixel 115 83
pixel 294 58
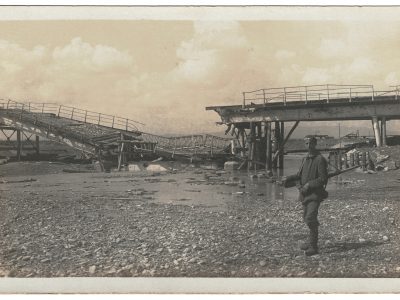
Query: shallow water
pixel 192 186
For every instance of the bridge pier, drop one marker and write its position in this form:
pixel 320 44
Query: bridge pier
pixel 383 131
pixel 377 131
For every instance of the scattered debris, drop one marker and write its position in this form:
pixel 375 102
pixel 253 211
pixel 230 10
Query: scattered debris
pixel 18 181
pixel 231 165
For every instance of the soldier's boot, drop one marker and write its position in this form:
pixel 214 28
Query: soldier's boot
pixel 313 248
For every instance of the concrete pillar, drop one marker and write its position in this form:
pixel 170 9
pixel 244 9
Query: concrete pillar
pixel 377 132
pixel 383 129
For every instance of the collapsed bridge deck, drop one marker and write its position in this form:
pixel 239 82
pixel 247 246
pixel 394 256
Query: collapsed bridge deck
pixel 93 133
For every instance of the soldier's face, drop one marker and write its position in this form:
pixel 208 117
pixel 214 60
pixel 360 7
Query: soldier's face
pixel 310 145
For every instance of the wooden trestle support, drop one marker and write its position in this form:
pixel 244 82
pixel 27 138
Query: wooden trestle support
pixel 261 144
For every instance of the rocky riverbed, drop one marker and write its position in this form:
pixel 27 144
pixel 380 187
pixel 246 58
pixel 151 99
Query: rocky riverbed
pixel 190 222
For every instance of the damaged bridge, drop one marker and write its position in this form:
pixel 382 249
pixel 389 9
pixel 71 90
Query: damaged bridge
pixel 95 134
pixel 261 118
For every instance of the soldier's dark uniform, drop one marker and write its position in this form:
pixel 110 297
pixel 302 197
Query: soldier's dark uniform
pixel 314 171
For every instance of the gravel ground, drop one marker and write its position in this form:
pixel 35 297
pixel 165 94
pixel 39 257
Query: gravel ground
pixel 95 224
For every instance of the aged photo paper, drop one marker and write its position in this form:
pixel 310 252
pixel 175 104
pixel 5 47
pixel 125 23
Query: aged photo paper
pixel 199 149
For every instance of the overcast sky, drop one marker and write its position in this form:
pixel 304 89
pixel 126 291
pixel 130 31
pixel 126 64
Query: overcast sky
pixel 165 72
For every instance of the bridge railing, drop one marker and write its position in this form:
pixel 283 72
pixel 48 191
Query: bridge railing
pixel 72 113
pixel 305 94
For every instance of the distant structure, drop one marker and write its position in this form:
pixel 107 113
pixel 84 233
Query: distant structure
pixel 352 135
pixel 319 136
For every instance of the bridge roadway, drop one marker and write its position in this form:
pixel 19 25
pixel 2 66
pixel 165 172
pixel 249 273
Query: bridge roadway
pixel 362 108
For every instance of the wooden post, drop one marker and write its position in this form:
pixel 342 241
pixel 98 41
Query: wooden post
pixel 364 160
pixel 281 146
pixel 19 144
pixel 120 156
pixel 37 144
pixel 286 139
pixel 340 160
pixel 346 162
pixel 257 142
pixel 212 147
pixel 243 142
pixel 383 134
pixel 330 155
pixel 351 159
pixel 268 158
pixel 356 159
pixel 377 133
pixel 369 161
pixel 251 140
pixel 337 161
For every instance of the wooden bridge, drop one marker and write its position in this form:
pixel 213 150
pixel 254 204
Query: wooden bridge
pixel 94 134
pixel 251 122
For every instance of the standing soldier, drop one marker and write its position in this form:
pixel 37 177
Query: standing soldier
pixel 312 178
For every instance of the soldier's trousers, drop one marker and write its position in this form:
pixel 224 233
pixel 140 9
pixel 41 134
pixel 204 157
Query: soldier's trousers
pixel 310 213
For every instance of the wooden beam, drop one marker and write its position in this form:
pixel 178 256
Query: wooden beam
pixel 286 139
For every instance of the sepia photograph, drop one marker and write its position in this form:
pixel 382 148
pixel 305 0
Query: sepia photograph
pixel 199 149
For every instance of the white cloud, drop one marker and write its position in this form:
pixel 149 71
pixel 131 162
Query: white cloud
pixel 99 57
pixel 212 57
pixel 284 54
pixel 77 72
pixel 392 79
pixel 361 66
pixel 331 48
pixel 316 76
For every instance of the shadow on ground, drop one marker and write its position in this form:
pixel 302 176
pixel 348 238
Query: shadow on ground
pixel 347 246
